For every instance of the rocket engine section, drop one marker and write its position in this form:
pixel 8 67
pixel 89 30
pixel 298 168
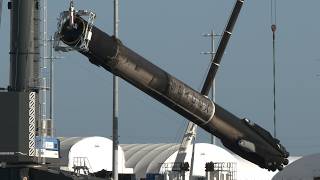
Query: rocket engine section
pixel 244 138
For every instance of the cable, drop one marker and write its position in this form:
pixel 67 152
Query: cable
pixel 273 12
pixel 273 20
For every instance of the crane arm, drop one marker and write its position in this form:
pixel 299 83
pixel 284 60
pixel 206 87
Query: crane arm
pixel 187 139
pixel 221 48
pixel 191 129
pixel 241 136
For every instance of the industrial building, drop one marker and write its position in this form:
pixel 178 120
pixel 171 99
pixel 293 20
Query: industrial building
pixel 152 161
pixel 93 152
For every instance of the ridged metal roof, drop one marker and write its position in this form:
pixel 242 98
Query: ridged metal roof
pixel 156 158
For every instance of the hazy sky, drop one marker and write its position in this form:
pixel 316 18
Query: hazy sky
pixel 168 33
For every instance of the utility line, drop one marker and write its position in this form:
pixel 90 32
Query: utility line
pixel 273 19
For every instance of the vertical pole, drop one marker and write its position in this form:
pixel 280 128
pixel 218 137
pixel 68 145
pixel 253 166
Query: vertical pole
pixel 115 101
pixel 213 95
pixel 192 157
pixel 273 27
pixel 51 85
pixel 43 86
pixel 44 69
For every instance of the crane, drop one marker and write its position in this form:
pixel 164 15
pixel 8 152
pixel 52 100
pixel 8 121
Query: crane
pixel 240 135
pixel 191 128
pixel 186 141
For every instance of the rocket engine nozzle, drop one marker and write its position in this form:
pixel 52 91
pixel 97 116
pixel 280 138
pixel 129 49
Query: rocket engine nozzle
pixel 73 34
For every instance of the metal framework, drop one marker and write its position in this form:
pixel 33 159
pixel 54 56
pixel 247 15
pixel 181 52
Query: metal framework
pixel 81 44
pixel 221 171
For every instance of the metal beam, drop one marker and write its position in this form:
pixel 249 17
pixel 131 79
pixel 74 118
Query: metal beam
pixel 221 48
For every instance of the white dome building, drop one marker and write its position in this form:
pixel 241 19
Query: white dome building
pixel 158 158
pixel 305 168
pixel 138 159
pixel 93 152
pixel 249 171
pixel 152 160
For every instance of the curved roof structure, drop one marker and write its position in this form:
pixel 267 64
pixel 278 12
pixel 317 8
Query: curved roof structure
pixel 143 159
pixel 65 146
pixel 247 171
pixel 158 158
pixel 132 149
pixel 140 153
pixel 203 153
pixel 95 152
pixel 307 167
pixel 142 166
pixel 154 166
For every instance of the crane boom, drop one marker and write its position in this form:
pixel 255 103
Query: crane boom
pixel 241 136
pixel 189 135
pixel 191 129
pixel 221 48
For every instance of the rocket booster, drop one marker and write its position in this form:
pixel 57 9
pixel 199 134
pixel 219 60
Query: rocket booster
pixel 241 136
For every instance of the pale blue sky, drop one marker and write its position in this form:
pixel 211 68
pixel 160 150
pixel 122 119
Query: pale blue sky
pixel 168 33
